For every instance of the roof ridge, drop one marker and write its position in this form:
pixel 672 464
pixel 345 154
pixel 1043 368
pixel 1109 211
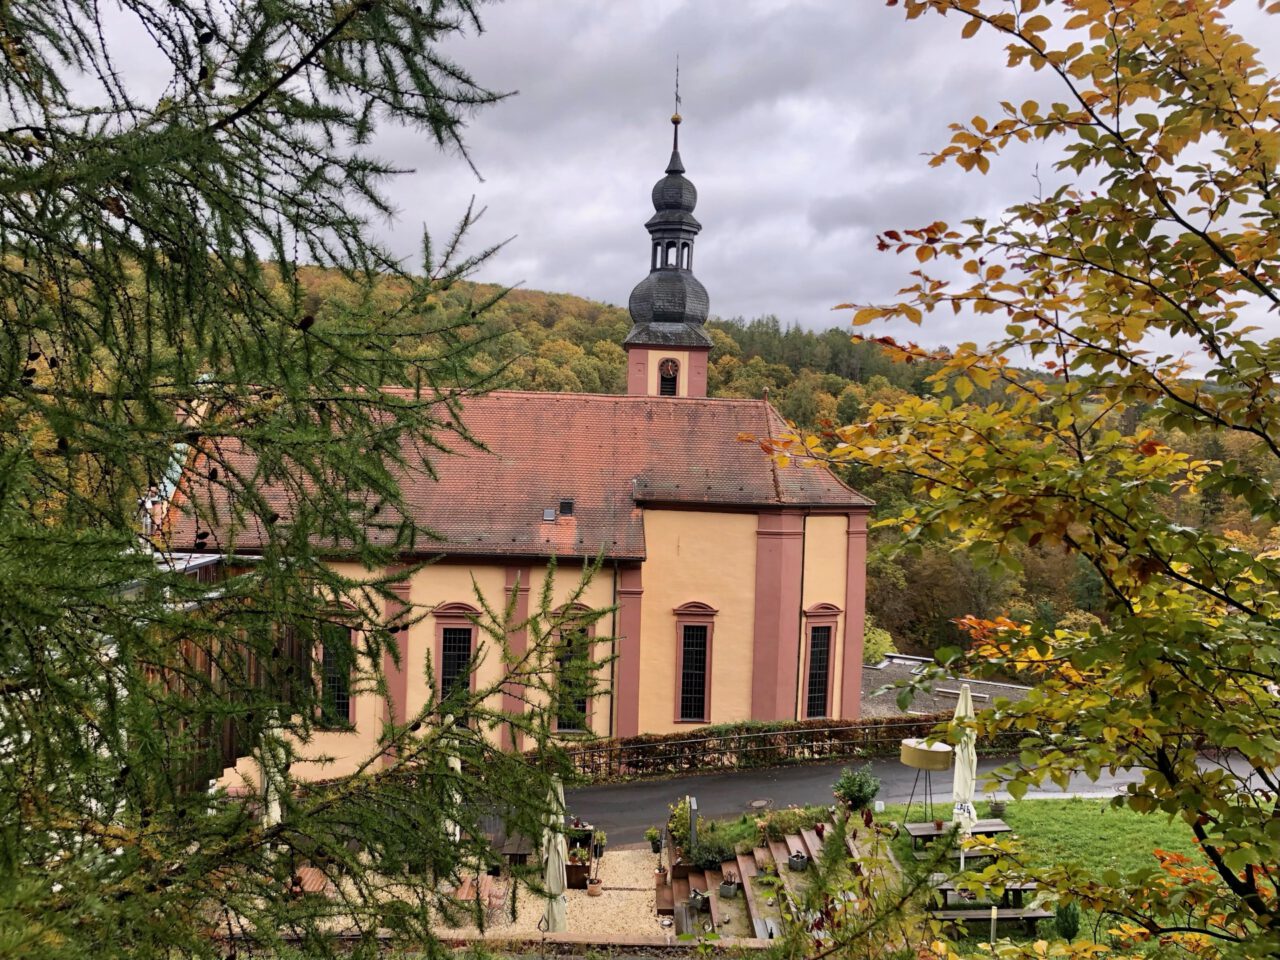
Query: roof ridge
pixel 769 414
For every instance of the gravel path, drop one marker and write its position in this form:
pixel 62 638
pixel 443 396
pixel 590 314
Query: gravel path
pixel 626 907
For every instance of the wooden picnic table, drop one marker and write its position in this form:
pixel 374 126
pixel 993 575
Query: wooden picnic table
pixel 928 832
pixel 1014 894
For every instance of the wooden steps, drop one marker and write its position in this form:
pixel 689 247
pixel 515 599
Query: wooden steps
pixel 698 881
pixel 679 891
pixel 746 872
pixel 663 899
pixel 761 856
pixel 811 841
pixel 795 845
pixel 779 851
pixel 713 878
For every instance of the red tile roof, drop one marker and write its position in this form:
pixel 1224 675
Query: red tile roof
pixel 611 455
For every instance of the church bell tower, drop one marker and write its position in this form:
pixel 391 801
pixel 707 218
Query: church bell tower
pixel 667 346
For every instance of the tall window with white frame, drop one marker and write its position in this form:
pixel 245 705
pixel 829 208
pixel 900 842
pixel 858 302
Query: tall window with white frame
pixel 574 681
pixel 336 662
pixel 695 634
pixel 455 659
pixel 819 680
pixel 693 672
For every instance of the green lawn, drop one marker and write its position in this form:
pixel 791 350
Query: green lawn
pixel 1095 834
pixel 1090 833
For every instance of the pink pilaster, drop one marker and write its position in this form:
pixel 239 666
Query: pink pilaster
pixel 698 373
pixel 637 371
pixel 627 683
pixel 517 580
pixel 395 707
pixel 855 614
pixel 776 643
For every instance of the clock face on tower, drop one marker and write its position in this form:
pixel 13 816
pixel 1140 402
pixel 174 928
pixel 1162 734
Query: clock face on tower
pixel 668 368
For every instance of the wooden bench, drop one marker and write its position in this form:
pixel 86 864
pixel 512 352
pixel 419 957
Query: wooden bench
pixel 1026 915
pixel 970 853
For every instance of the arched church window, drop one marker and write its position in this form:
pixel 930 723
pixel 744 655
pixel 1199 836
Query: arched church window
pixel 685 254
pixel 668 377
pixel 671 260
pixel 656 260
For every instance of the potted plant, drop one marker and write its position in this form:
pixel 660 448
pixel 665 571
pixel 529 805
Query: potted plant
pixel 654 838
pixel 798 862
pixel 820 830
pixel 997 808
pixel 699 902
pixel 598 840
pixel 937 824
pixel 660 874
pixel 729 886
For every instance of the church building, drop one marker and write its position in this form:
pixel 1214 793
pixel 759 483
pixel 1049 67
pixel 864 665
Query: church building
pixel 739 585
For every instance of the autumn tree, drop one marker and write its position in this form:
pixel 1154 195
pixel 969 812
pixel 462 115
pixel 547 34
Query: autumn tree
pixel 165 171
pixel 1141 279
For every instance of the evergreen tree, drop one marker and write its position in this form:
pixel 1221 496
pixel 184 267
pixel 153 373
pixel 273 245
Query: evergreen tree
pixel 155 319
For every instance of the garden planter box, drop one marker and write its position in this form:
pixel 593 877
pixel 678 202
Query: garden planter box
pixel 679 871
pixel 575 875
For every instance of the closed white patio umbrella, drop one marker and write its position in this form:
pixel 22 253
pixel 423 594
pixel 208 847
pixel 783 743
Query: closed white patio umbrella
pixel 554 857
pixel 966 769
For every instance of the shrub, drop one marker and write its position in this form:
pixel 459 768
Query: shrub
pixel 776 824
pixel 877 643
pixel 1066 919
pixel 678 823
pixel 856 788
pixel 712 850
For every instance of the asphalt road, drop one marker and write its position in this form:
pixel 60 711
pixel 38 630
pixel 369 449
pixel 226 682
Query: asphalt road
pixel 625 810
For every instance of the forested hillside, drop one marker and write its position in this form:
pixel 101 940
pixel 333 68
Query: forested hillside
pixel 550 341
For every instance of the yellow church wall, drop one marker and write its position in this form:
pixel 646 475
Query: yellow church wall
pixel 656 356
pixel 598 595
pixel 435 585
pixel 430 587
pixel 706 557
pixel 825 553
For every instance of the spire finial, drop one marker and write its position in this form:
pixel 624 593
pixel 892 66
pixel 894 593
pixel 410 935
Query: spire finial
pixel 675 117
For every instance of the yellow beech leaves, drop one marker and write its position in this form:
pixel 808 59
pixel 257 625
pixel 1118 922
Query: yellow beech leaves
pixel 1136 315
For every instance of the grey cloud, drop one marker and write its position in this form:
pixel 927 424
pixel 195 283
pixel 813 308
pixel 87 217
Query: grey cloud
pixel 806 129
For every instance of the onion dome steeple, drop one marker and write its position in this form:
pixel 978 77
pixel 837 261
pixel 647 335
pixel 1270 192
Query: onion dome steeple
pixel 669 306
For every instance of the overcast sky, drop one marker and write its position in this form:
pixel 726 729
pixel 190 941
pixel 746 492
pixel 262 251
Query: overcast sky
pixel 805 128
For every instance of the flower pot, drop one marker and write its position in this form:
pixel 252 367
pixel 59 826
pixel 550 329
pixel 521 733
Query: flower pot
pixel 997 808
pixel 699 902
pixel 728 889
pixel 660 876
pixel 597 849
pixel 820 829
pixel 595 887
pixel 655 846
pixel 798 862
pixel 937 825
